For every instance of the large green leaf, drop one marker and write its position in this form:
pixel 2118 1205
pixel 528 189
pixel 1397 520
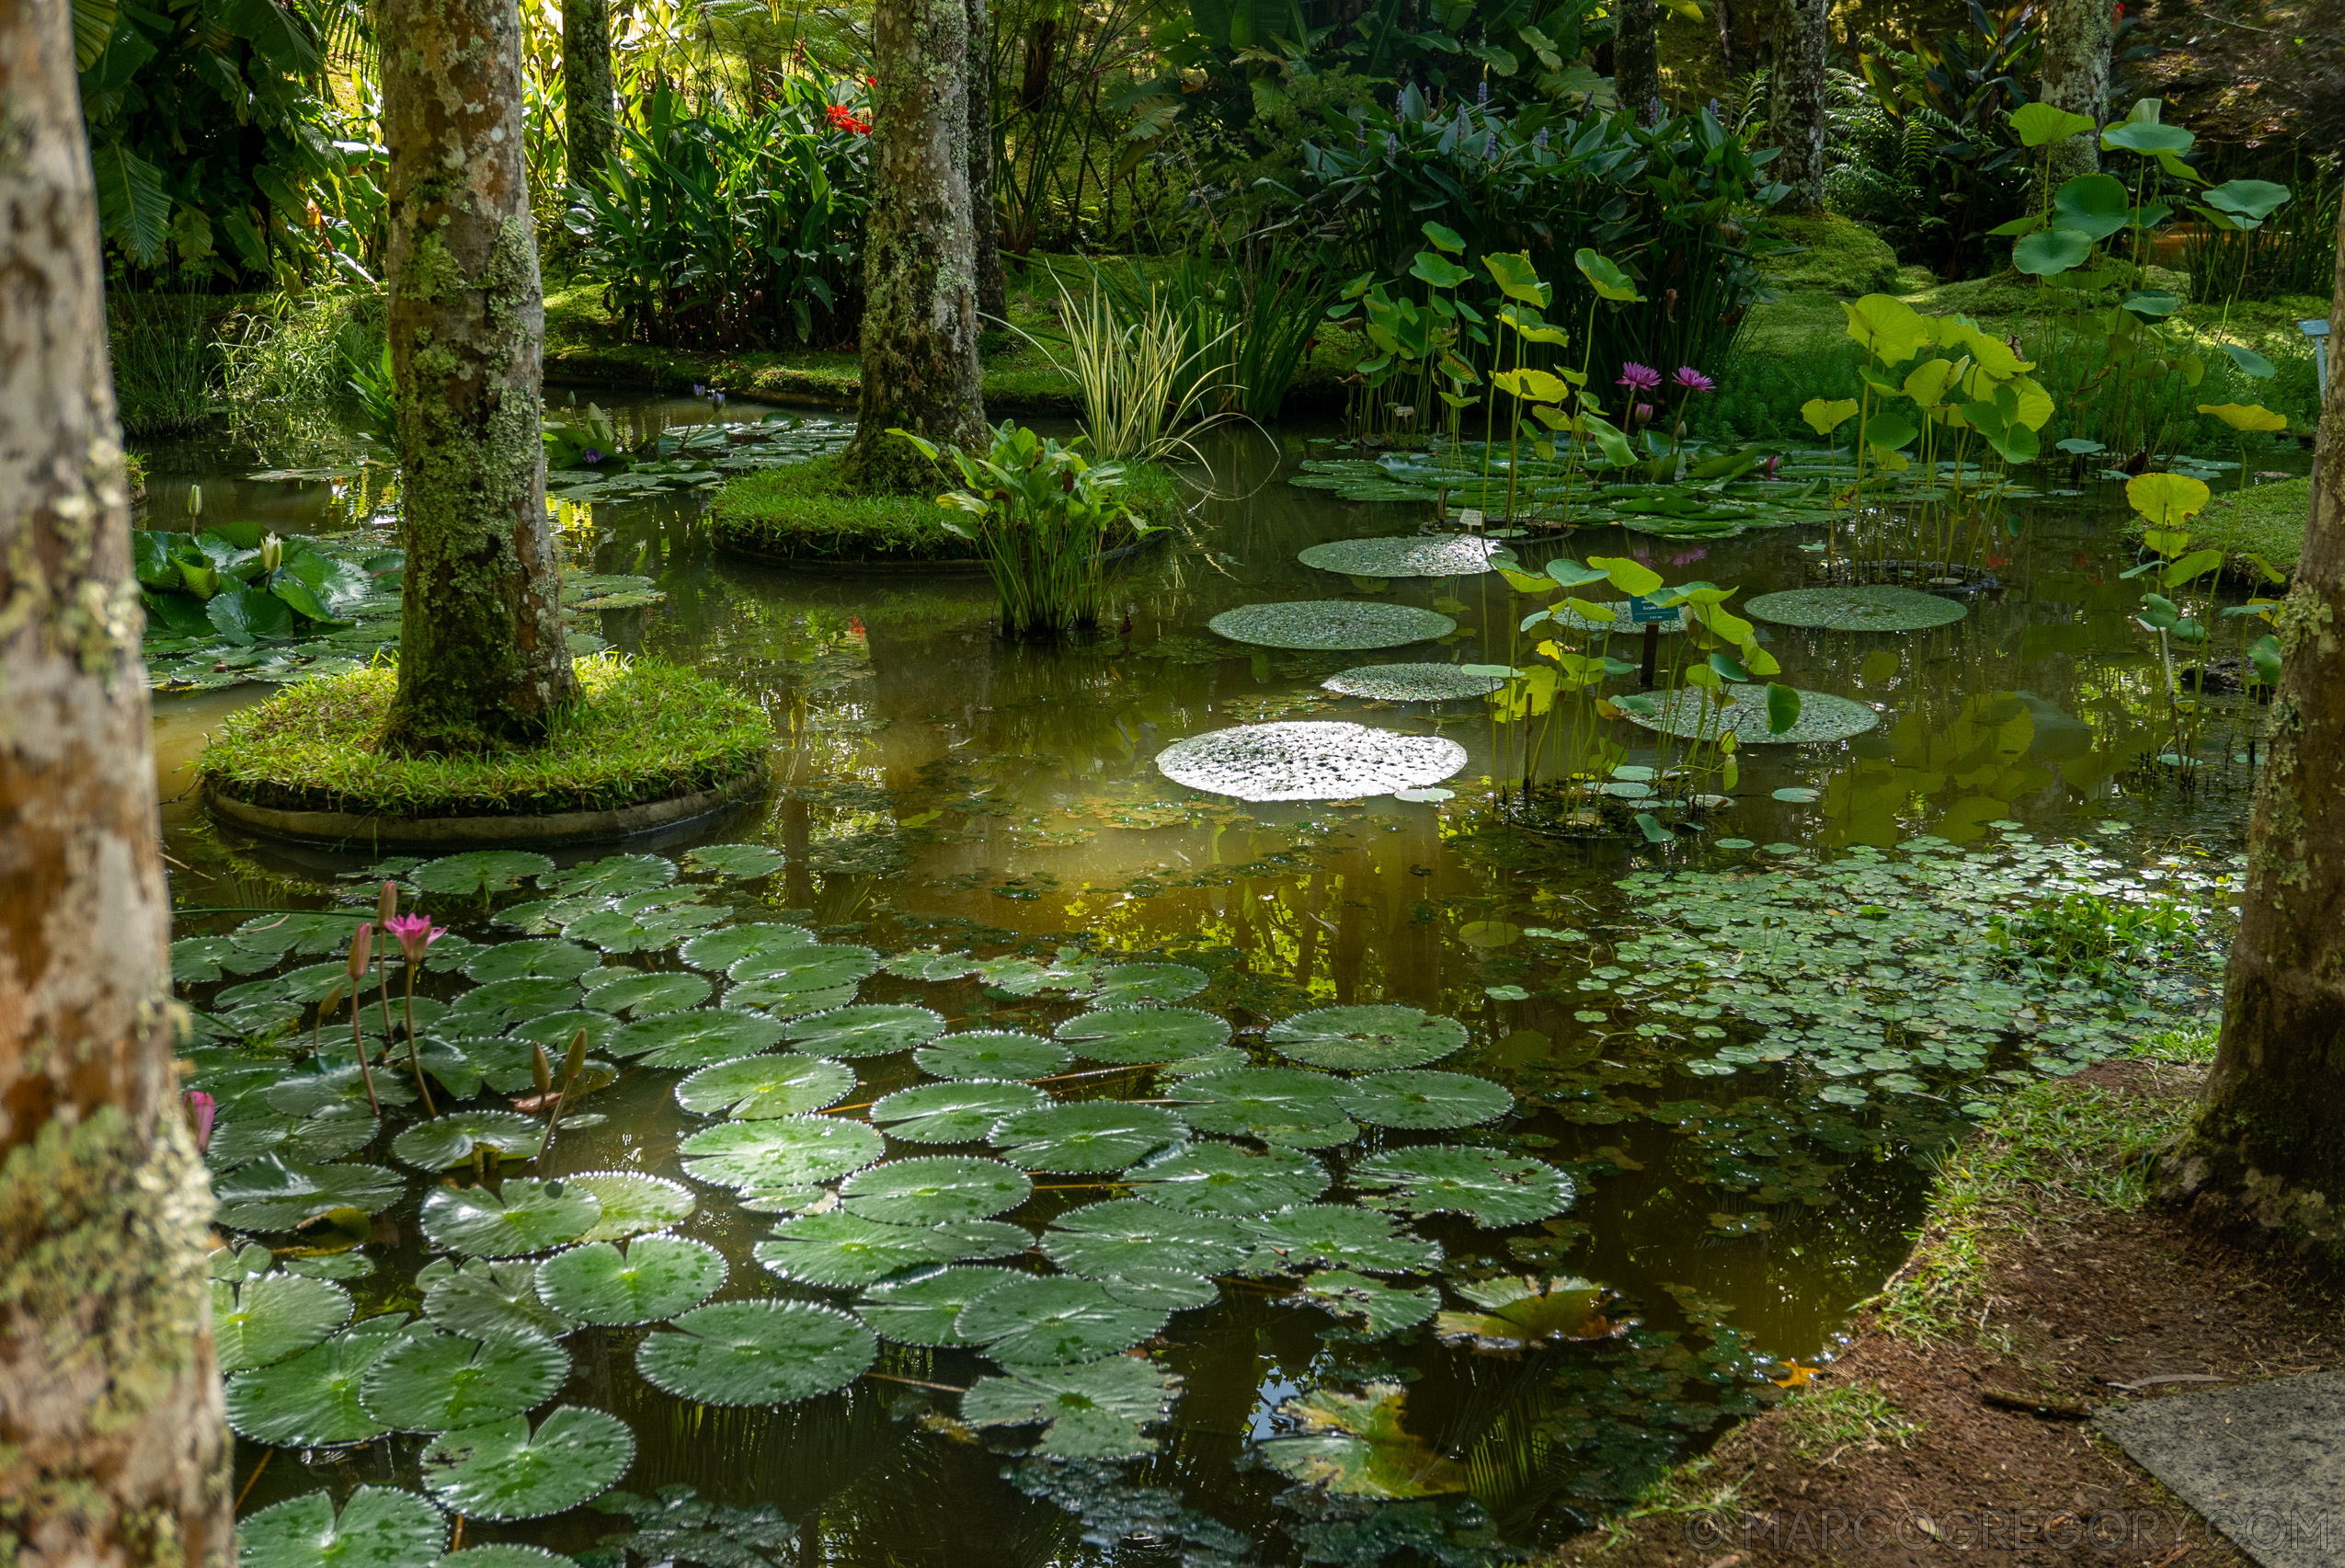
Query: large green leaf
pixel 871 1030
pixel 1139 1035
pixel 93 29
pixel 435 1382
pixel 1056 1319
pixel 697 1038
pixel 1340 1237
pixel 487 1300
pixel 1367 1039
pixel 445 1142
pixel 922 1308
pixel 1107 1240
pixel 1219 1178
pixel 477 872
pixel 655 1278
pixel 1122 985
pixel 1425 1102
pixel 504 1470
pixel 783 1151
pixel 311 1401
pixel 1282 1106
pixel 992 1053
pixel 1096 1412
pixel 133 207
pixel 1494 1189
pixel 272 1194
pixel 379 1526
pixel 934 1189
pixel 735 861
pixel 648 995
pixel 1380 1310
pixel 721 949
pixel 246 615
pixel 265 1318
pixel 821 968
pixel 959 1112
pixel 634 1203
pixel 1087 1135
pixel 522 1217
pixel 615 877
pixel 1521 1313
pixel 2050 252
pixel 2094 205
pixel 757 1353
pixel 759 1088
pixel 842 1251
pixel 545 959
pixel 1356 1445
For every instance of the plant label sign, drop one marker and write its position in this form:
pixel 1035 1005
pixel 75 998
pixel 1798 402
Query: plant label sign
pixel 1643 612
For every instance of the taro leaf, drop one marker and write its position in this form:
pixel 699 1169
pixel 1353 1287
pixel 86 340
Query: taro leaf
pixel 1121 1235
pixel 311 1401
pixel 782 1152
pixel 448 1141
pixel 758 1088
pixel 1367 1039
pixel 921 1308
pixel 547 959
pixel 272 1194
pixel 616 875
pixel 735 861
pixel 962 1112
pixel 1331 624
pixel 479 872
pixel 820 968
pixel 1139 1035
pixel 1495 1189
pixel 1003 1053
pixel 634 1203
pixel 697 1038
pixel 488 1300
pixel 1219 1178
pixel 1087 1135
pixel 1343 1237
pixel 1282 1106
pixel 1120 985
pixel 1518 1314
pixel 844 1250
pixel 267 1318
pixel 379 1526
pixel 522 1217
pixel 504 1470
pixel 934 1189
pixel 1354 1446
pixel 1164 1290
pixel 1096 1412
pixel 436 1382
pixel 656 1278
pixel 1425 1102
pixel 343 1088
pixel 722 949
pixel 1381 1309
pixel 1056 1319
pixel 874 1029
pixel 1874 607
pixel 649 995
pixel 757 1353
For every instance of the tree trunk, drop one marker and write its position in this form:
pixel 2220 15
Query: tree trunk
pixel 2078 36
pixel 1724 16
pixel 112 1454
pixel 992 294
pixel 1636 57
pixel 591 130
pixel 920 328
pixel 1795 99
pixel 481 658
pixel 2267 1151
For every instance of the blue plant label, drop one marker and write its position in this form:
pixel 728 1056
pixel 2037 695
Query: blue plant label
pixel 1643 612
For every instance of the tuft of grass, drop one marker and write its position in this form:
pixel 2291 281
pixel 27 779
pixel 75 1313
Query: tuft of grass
pixel 1837 254
pixel 1826 1423
pixel 167 367
pixel 299 350
pixel 644 730
pixel 2192 1043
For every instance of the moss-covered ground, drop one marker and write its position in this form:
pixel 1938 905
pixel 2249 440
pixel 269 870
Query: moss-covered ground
pixel 2267 519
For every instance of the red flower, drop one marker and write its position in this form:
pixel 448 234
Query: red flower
pixel 843 119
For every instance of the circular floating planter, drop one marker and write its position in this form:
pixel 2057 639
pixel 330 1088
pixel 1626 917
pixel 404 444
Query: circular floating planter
pixel 1411 683
pixel 1408 556
pixel 1622 624
pixel 1309 761
pixel 1331 624
pixel 1690 716
pixel 1877 607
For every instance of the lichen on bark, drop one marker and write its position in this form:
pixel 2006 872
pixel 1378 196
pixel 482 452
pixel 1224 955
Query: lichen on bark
pixel 589 131
pixel 2078 36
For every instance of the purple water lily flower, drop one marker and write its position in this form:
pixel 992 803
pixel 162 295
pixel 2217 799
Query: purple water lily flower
pixel 1644 413
pixel 1637 377
pixel 1693 380
pixel 592 456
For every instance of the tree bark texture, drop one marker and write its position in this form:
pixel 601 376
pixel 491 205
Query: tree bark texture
pixel 481 658
pixel 920 327
pixel 1795 99
pixel 2267 1150
pixel 993 292
pixel 2078 37
pixel 1636 61
pixel 589 128
pixel 112 1453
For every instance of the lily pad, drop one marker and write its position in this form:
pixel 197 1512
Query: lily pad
pixel 311 1401
pixel 697 1038
pixel 1331 624
pixel 341 1089
pixel 634 1203
pixel 992 1053
pixel 503 1470
pixel 445 1142
pixel 1055 1320
pixel 505 1555
pixel 1356 1445
pixel 1165 1289
pixel 1308 760
pixel 487 1300
pixel 842 1251
pixel 1525 1313
pixel 1221 1178
pixel 1406 556
pixel 921 1308
pixel 1096 1412
pixel 1282 1106
pixel 738 862
pixel 780 998
pixel 1143 1035
pixel 1121 985
pixel 264 1319
pixel 1086 1136
pixel 436 1382
pixel 720 950
pixel 272 1194
pixel 1690 715
pixel 1367 1039
pixel 959 1112
pixel 655 1278
pixel 757 1353
pixel 379 1526
pixel 649 995
pixel 934 1189
pixel 1342 1237
pixel 759 1088
pixel 1493 1189
pixel 615 877
pixel 820 968
pixel 548 961
pixel 1425 1102
pixel 782 1152
pixel 1381 1309
pixel 1105 1240
pixel 477 873
pixel 522 1217
pixel 872 1029
pixel 1878 607
pixel 1411 683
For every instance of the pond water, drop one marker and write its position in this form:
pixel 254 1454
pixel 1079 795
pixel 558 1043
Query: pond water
pixel 1739 1059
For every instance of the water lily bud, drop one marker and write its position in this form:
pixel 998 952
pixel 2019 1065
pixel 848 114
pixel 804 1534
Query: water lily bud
pixel 272 552
pixel 575 1063
pixel 330 1001
pixel 362 948
pixel 195 500
pixel 541 1071
pixel 386 903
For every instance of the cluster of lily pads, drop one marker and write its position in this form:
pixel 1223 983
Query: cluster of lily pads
pixel 1297 1164
pixel 588 459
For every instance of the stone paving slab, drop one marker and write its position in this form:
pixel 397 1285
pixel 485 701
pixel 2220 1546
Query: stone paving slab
pixel 2264 1463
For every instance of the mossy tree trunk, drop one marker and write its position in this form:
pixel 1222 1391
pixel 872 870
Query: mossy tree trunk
pixel 112 1453
pixel 993 292
pixel 920 327
pixel 2078 36
pixel 2267 1150
pixel 1795 95
pixel 481 658
pixel 1636 59
pixel 589 130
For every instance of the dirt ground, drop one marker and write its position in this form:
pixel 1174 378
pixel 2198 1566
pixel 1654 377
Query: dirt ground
pixel 1896 1452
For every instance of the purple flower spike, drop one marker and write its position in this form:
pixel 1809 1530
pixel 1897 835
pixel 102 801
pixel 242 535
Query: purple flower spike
pixel 1637 377
pixel 1481 95
pixel 1693 380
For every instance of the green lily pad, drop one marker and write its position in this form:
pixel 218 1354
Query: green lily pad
pixel 1056 1319
pixel 379 1526
pixel 436 1382
pixel 934 1189
pixel 445 1142
pixel 488 1300
pixel 922 1308
pixel 1690 715
pixel 616 877
pixel 1878 607
pixel 507 1069
pixel 820 968
pixel 1493 1189
pixel 653 1279
pixel 1523 1313
pixel 1143 1035
pixel 338 1089
pixel 264 1319
pixel 523 996
pixel 311 1401
pixel 522 1217
pixel 1107 1240
pixel 634 1203
pixel 872 1029
pixel 1406 556
pixel 1357 1446
pixel 736 863
pixel 1425 1102
pixel 1221 1178
pixel 757 1353
pixel 623 929
pixel 479 872
pixel 539 960
pixel 780 1151
pixel 1308 760
pixel 1086 1136
pixel 959 1112
pixel 841 1251
pixel 1096 1411
pixel 720 950
pixel 1003 1053
pixel 1367 1039
pixel 1342 1237
pixel 502 1470
pixel 1331 624
pixel 1411 683
pixel 505 1555
pixel 759 1088
pixel 272 1194
pixel 1165 1289
pixel 697 1038
pixel 1122 985
pixel 1280 1106
pixel 1380 1310
pixel 648 995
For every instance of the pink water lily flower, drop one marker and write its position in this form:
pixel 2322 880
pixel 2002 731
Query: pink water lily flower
pixel 203 1109
pixel 1637 377
pixel 414 933
pixel 1693 380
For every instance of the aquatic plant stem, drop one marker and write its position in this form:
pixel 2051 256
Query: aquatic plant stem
pixel 414 1058
pixel 357 1041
